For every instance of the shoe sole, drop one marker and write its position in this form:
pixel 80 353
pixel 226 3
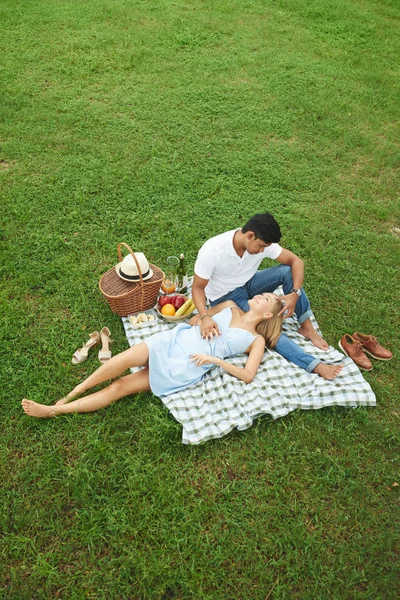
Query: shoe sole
pixel 376 357
pixel 359 366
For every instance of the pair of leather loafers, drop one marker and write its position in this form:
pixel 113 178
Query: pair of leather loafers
pixel 358 345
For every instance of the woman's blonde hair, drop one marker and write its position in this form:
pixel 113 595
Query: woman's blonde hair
pixel 271 328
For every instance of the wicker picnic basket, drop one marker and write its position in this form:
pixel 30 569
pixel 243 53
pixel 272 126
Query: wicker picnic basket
pixel 126 297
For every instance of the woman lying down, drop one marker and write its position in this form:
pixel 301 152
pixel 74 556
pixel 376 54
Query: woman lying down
pixel 178 358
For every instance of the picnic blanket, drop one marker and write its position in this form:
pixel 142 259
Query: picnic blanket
pixel 221 403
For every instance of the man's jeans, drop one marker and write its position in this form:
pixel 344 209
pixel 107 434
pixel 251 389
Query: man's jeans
pixel 267 280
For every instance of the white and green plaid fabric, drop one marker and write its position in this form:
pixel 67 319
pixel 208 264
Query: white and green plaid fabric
pixel 221 403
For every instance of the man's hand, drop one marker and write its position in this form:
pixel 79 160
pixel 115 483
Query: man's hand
pixel 208 328
pixel 290 304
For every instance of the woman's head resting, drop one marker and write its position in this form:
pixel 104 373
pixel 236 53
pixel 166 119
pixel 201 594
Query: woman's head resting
pixel 270 326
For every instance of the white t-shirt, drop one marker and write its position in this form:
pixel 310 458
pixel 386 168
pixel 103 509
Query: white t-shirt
pixel 218 262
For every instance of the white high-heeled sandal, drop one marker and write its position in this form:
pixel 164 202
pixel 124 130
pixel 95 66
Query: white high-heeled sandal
pixel 82 353
pixel 105 352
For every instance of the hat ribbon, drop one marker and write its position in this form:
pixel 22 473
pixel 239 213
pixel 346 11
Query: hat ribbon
pixel 134 277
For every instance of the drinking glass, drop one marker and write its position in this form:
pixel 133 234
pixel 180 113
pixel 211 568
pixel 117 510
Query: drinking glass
pixel 171 280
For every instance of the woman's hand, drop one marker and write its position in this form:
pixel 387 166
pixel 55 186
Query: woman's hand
pixel 204 359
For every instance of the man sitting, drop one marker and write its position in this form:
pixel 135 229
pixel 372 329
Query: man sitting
pixel 227 269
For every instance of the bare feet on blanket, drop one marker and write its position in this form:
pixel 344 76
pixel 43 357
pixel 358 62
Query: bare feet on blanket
pixel 33 409
pixel 307 330
pixel 328 371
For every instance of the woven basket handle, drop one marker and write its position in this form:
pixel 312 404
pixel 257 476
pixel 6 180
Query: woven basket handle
pixel 133 256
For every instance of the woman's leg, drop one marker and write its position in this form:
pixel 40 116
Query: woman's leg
pixel 137 356
pixel 130 384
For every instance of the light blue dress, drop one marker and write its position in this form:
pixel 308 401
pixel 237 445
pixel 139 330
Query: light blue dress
pixel 170 367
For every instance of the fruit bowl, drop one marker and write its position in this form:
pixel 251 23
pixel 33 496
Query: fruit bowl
pixel 173 318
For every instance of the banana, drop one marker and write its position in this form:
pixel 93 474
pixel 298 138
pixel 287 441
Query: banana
pixel 182 310
pixel 190 308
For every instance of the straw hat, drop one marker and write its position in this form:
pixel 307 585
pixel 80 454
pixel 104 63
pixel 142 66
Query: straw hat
pixel 127 268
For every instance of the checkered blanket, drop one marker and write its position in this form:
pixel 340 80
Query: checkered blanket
pixel 221 403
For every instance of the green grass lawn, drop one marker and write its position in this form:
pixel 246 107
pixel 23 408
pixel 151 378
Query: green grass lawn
pixel 161 123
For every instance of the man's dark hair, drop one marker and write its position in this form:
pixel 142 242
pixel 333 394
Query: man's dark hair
pixel 264 228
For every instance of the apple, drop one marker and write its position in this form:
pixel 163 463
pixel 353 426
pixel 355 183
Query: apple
pixel 178 301
pixel 164 300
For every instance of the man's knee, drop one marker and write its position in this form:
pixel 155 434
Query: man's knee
pixel 239 296
pixel 286 272
pixel 243 304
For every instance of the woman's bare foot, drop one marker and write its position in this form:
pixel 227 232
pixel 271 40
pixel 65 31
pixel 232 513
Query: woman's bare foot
pixel 328 371
pixel 62 401
pixel 310 333
pixel 33 409
pixel 75 392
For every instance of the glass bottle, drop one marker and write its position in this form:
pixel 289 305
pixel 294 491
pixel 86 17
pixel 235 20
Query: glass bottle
pixel 181 273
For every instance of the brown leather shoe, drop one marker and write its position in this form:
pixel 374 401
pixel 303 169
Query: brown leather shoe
pixel 352 348
pixel 370 345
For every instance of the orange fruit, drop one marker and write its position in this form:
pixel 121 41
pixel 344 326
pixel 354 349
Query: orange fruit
pixel 168 286
pixel 168 310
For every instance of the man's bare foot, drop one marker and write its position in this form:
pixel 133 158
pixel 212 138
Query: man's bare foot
pixel 33 409
pixel 328 371
pixel 314 337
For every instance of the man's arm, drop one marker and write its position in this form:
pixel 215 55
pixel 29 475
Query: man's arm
pixel 208 327
pixel 199 294
pixel 297 265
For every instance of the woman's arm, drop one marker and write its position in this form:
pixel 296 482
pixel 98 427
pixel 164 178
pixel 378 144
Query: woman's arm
pixel 246 373
pixel 214 310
